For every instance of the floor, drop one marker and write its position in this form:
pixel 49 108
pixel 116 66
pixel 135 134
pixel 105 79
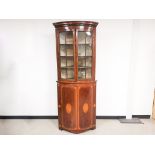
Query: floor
pixel 49 127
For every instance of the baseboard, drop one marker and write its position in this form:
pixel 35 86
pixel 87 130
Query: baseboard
pixel 121 117
pixel 28 117
pixel 56 117
pixel 110 117
pixel 141 116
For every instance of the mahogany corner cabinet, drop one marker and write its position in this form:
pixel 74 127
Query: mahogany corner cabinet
pixel 76 85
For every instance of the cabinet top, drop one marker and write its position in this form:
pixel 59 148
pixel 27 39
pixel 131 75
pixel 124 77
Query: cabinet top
pixel 75 23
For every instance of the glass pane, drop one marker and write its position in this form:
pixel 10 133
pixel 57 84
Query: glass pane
pixel 81 50
pixel 66 50
pixel 88 62
pixel 81 37
pixel 70 73
pixel 81 73
pixel 62 37
pixel 63 73
pixel 88 37
pixel 62 50
pixel 63 61
pixel 69 37
pixel 81 62
pixel 88 73
pixel 70 62
pixel 88 50
pixel 69 50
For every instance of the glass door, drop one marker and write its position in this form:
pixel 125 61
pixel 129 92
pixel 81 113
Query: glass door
pixel 66 45
pixel 84 55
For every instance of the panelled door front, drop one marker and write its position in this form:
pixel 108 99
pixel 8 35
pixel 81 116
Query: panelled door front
pixel 69 112
pixel 85 106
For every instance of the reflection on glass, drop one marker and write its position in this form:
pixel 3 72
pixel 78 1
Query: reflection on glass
pixel 69 37
pixel 63 74
pixel 70 73
pixel 66 50
pixel 69 50
pixel 62 37
pixel 81 73
pixel 63 62
pixel 84 62
pixel 70 62
pixel 81 62
pixel 88 73
pixel 62 50
pixel 66 37
pixel 81 37
pixel 84 50
pixel 88 50
pixel 81 50
pixel 88 62
pixel 88 37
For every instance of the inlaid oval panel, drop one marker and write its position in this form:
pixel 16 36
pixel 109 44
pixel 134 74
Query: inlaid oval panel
pixel 85 107
pixel 68 108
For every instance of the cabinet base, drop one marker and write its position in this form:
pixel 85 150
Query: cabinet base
pixel 77 131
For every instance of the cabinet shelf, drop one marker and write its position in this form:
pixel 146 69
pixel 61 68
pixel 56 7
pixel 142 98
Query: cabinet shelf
pixel 85 67
pixel 67 67
pixel 67 56
pixel 83 56
pixel 88 44
pixel 67 44
pixel 83 44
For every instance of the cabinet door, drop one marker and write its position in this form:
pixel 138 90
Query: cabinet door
pixel 66 55
pixel 69 110
pixel 85 106
pixel 85 55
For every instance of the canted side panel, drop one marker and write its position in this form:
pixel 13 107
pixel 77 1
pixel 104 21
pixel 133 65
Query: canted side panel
pixel 94 106
pixel 59 105
pixel 85 106
pixel 68 101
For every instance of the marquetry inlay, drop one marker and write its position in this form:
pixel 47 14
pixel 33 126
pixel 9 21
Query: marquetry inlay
pixel 85 107
pixel 68 108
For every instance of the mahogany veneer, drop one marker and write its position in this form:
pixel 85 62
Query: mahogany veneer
pixel 76 85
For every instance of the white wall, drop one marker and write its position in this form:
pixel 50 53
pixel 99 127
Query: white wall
pixel 125 70
pixel 113 49
pixel 144 77
pixel 27 68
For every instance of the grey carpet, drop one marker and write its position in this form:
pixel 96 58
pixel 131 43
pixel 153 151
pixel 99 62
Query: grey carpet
pixel 131 121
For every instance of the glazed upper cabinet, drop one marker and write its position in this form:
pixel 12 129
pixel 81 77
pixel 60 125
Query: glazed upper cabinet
pixel 85 51
pixel 76 54
pixel 66 55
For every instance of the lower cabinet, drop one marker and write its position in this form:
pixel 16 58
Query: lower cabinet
pixel 77 107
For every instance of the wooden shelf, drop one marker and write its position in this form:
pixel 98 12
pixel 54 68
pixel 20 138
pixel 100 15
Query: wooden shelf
pixel 67 67
pixel 67 56
pixel 66 44
pixel 87 44
pixel 84 56
pixel 84 67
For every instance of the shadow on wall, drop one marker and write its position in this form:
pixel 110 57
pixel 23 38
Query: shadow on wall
pixel 7 82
